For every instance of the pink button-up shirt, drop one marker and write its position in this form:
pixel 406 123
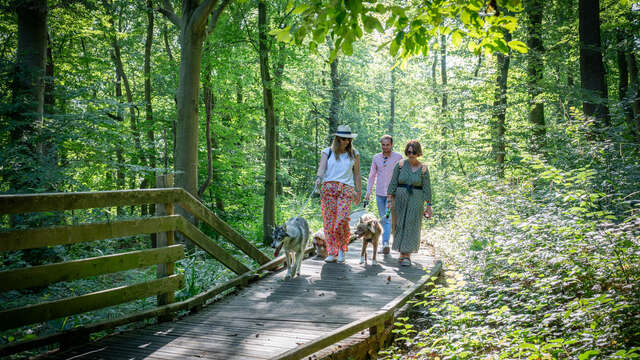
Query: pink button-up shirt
pixel 382 169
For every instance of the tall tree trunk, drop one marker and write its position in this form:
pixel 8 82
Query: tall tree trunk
pixel 193 31
pixel 535 71
pixel 500 107
pixel 591 67
pixel 28 91
pixel 634 85
pixel 392 112
pixel 120 176
pixel 278 73
pixel 150 179
pixel 207 95
pixel 444 111
pixel 623 81
pixel 336 98
pixel 268 214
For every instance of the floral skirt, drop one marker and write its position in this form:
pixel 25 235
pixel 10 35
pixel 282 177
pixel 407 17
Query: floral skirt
pixel 336 207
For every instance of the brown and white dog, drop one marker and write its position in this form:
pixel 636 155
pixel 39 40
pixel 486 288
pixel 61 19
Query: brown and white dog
pixel 369 229
pixel 319 244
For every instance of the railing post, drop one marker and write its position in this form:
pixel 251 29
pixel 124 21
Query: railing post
pixel 165 239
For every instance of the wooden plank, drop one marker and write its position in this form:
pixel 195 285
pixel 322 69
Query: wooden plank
pixel 195 207
pixel 62 235
pixel 54 309
pixel 45 274
pixel 165 239
pixel 213 249
pixel 25 203
pixel 334 336
pixel 78 269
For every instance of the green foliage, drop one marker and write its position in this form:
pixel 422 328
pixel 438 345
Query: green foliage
pixel 411 27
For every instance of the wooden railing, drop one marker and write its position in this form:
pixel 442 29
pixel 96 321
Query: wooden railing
pixel 164 286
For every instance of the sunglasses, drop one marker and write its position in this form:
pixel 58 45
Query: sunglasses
pixel 343 139
pixel 411 152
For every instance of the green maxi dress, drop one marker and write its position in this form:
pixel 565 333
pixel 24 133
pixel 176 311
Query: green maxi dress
pixel 409 205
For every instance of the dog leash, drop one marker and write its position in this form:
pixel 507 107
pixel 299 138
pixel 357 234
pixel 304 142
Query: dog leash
pixel 309 199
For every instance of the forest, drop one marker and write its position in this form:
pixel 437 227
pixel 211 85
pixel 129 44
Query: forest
pixel 528 113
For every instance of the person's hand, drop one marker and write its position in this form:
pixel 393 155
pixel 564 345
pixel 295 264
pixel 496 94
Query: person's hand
pixel 428 212
pixel 366 197
pixel 318 181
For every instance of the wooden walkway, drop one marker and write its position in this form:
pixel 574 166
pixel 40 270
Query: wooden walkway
pixel 271 316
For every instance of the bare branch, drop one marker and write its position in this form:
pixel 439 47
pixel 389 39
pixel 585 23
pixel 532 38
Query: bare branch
pixel 168 12
pixel 215 15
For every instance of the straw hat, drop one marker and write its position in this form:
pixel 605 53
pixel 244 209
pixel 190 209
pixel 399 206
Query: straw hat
pixel 345 132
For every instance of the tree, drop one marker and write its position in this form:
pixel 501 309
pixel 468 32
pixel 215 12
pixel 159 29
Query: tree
pixel 194 29
pixel 268 214
pixel 500 107
pixel 28 94
pixel 591 67
pixel 535 70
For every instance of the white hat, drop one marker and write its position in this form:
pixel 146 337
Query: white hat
pixel 345 132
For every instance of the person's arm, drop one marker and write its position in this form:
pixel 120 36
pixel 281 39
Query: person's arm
pixel 373 172
pixel 322 168
pixel 393 185
pixel 357 178
pixel 426 191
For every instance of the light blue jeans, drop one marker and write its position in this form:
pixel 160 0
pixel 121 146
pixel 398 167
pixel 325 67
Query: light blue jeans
pixel 381 201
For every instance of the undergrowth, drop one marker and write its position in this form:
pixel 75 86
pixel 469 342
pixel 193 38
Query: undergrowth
pixel 546 269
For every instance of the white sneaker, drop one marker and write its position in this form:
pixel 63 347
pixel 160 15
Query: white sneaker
pixel 340 256
pixel 330 259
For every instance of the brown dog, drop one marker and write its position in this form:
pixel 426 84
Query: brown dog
pixel 319 245
pixel 369 229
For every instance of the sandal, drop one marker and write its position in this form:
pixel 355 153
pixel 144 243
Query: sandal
pixel 405 261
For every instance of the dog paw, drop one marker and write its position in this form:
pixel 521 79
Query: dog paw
pixel 362 261
pixel 287 277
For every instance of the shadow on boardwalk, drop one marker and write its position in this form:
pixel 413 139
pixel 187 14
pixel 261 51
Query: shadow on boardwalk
pixel 270 316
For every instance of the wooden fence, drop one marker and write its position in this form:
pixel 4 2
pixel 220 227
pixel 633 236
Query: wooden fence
pixel 164 224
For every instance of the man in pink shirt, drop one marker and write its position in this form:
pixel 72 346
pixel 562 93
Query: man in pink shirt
pixel 382 169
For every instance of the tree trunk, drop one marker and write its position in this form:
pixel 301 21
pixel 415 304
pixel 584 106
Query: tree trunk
pixel 120 176
pixel 336 98
pixel 392 115
pixel 194 29
pixel 500 107
pixel 634 92
pixel 591 67
pixel 444 111
pixel 28 92
pixel 207 95
pixel 535 71
pixel 268 214
pixel 150 179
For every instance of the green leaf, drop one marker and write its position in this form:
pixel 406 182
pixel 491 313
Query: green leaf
pixel 588 354
pixel 456 38
pixel 518 46
pixel 393 48
pixel 347 47
pixel 300 9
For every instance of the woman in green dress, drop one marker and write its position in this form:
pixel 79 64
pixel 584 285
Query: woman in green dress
pixel 408 193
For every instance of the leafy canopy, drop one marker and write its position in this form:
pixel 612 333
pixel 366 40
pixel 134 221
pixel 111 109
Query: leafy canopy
pixel 410 25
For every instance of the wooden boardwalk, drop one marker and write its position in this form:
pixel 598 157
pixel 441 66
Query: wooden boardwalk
pixel 270 316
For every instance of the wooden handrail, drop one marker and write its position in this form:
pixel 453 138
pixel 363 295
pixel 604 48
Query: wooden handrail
pixel 42 275
pixel 26 203
pixel 376 320
pixel 71 270
pixel 71 234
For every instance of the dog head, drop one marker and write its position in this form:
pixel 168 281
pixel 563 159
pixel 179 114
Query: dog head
pixel 279 233
pixel 368 225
